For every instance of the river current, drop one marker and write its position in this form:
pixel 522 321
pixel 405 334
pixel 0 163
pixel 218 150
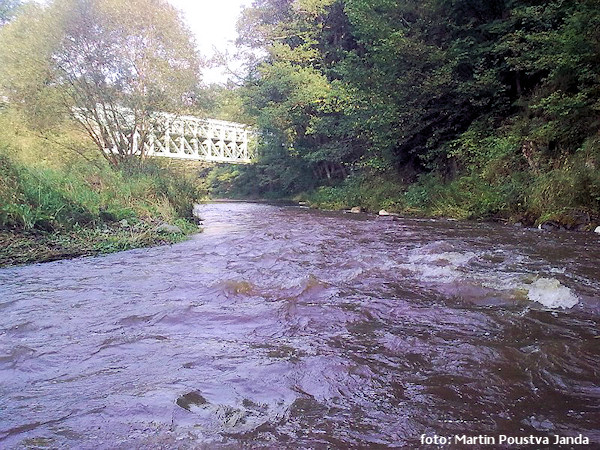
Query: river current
pixel 283 327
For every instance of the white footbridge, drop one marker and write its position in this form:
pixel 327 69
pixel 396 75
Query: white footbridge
pixel 171 136
pixel 188 137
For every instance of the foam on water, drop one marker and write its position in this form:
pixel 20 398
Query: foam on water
pixel 432 263
pixel 444 267
pixel 551 293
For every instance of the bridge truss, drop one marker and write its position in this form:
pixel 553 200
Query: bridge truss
pixel 188 137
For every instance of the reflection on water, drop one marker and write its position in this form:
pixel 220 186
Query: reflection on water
pixel 284 327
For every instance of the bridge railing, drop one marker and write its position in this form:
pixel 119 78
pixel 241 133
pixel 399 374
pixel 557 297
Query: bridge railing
pixel 192 138
pixel 188 137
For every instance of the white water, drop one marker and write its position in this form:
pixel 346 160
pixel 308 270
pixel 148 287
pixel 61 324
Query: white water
pixel 434 264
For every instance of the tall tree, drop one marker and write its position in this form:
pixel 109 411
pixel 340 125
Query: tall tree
pixel 414 86
pixel 113 66
pixel 293 93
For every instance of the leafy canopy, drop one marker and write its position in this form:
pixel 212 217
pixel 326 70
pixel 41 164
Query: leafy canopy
pixel 114 66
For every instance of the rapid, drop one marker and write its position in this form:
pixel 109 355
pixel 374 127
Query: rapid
pixel 284 327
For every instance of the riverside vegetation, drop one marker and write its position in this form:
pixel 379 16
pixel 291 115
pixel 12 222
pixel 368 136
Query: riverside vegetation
pixel 472 109
pixel 57 203
pixel 69 70
pixel 467 108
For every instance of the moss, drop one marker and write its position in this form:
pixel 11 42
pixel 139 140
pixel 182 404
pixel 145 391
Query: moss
pixel 20 247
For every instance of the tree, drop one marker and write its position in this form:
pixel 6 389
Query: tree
pixel 113 66
pixel 398 88
pixel 292 95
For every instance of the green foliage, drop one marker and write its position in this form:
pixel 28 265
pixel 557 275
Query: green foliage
pixel 223 182
pixel 37 198
pixel 56 182
pixel 41 199
pixel 574 183
pixel 227 103
pixel 371 192
pixel 491 103
pixel 112 66
pixel 467 197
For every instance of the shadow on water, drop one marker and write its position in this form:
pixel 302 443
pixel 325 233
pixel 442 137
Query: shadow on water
pixel 285 327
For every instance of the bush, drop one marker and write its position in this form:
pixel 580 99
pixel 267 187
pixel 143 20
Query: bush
pixel 34 198
pixel 48 199
pixel 368 190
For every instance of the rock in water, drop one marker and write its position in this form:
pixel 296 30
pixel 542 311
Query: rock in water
pixel 549 226
pixel 383 212
pixel 190 399
pixel 356 209
pixel 168 228
pixel 597 230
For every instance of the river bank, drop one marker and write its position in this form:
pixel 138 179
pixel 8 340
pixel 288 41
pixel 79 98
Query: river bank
pixel 565 197
pixel 63 200
pixel 448 200
pixel 21 247
pixel 573 221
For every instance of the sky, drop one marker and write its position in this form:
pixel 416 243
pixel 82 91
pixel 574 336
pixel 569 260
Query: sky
pixel 213 24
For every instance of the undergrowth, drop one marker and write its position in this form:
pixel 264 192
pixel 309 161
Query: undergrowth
pixel 61 198
pixel 496 184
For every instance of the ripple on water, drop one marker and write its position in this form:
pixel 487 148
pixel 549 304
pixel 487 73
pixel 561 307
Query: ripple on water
pixel 287 327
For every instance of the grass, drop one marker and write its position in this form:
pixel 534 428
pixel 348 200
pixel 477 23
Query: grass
pixel 29 247
pixel 568 195
pixel 60 198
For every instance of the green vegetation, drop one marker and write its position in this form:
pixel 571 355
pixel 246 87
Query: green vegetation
pixel 56 203
pixel 77 77
pixel 114 67
pixel 463 108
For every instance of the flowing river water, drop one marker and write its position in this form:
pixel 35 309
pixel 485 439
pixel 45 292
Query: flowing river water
pixel 283 327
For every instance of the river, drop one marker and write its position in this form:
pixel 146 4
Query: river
pixel 284 327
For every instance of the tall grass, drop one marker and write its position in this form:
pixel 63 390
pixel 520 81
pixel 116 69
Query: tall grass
pixel 60 182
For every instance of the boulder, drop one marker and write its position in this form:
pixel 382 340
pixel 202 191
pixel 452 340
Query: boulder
pixel 597 230
pixel 168 228
pixel 571 219
pixel 383 212
pixel 549 226
pixel 356 209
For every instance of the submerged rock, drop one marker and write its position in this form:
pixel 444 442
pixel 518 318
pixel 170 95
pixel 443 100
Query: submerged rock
pixel 168 228
pixel 190 399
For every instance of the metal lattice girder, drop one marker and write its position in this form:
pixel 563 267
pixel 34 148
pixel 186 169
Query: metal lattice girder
pixel 189 137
